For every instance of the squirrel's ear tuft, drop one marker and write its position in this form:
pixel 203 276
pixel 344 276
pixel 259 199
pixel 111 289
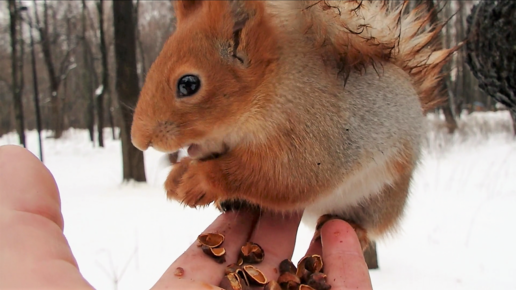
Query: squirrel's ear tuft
pixel 253 36
pixel 241 12
pixel 183 8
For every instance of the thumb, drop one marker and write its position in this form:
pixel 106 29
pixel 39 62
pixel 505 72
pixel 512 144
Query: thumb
pixel 34 253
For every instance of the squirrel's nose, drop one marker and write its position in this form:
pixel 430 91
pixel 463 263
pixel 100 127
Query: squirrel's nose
pixel 140 144
pixel 141 138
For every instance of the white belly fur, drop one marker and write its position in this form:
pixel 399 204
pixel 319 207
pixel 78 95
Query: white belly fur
pixel 368 181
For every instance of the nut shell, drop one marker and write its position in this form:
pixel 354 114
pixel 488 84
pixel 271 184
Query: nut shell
pixel 286 266
pixel 241 275
pixel 231 268
pixel 255 275
pixel 308 265
pixel 286 277
pixel 231 282
pixel 314 264
pixel 211 240
pixel 318 281
pixel 272 285
pixel 290 285
pixel 251 253
pixel 218 254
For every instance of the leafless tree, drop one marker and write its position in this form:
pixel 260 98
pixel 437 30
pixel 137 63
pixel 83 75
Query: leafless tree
pixel 447 106
pixel 127 86
pixel 88 74
pixel 139 46
pixel 17 58
pixel 105 74
pixel 35 83
pixel 55 75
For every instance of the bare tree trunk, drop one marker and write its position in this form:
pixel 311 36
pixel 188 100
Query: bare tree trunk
pixel 21 83
pixel 52 75
pixel 17 69
pixel 65 81
pixel 105 74
pixel 111 118
pixel 139 47
pixel 56 76
pixel 127 86
pixel 36 92
pixel 461 89
pixel 451 123
pixel 86 77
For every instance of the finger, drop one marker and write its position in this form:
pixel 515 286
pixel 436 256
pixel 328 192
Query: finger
pixel 343 258
pixel 315 248
pixel 34 253
pixel 183 284
pixel 197 266
pixel 276 234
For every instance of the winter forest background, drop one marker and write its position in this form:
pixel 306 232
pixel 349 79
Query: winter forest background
pixel 75 63
pixel 63 64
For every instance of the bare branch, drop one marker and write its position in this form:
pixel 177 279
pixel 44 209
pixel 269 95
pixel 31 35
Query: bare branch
pixel 63 67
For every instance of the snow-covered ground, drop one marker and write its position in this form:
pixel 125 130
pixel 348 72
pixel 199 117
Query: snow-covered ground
pixel 456 233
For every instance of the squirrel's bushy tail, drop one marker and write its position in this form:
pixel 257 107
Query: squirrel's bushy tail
pixel 366 32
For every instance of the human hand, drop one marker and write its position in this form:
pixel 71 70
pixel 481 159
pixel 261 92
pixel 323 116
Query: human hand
pixel 339 246
pixel 35 254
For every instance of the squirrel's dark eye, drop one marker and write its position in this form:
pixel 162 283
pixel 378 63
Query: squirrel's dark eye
pixel 187 86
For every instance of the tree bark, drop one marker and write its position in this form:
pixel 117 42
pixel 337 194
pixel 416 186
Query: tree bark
pixel 127 86
pixel 36 90
pixel 461 87
pixel 105 74
pixel 86 77
pixel 447 107
pixel 139 48
pixel 17 69
pixel 55 75
pixel 52 74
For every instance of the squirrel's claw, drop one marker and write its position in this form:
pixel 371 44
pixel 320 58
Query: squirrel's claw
pixel 175 176
pixel 192 190
pixel 186 184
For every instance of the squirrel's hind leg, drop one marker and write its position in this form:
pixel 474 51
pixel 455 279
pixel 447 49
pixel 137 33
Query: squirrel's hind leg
pixel 368 246
pixel 376 216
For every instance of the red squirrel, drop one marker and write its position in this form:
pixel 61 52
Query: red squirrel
pixel 294 105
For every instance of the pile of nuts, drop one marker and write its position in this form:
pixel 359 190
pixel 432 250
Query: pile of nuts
pixel 308 275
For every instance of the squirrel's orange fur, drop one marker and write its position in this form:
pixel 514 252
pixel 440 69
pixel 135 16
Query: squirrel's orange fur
pixel 312 105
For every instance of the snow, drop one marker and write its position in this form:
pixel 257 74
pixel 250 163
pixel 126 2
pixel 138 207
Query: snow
pixel 99 90
pixel 456 233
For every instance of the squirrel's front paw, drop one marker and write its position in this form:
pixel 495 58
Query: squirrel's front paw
pixel 175 176
pixel 193 189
